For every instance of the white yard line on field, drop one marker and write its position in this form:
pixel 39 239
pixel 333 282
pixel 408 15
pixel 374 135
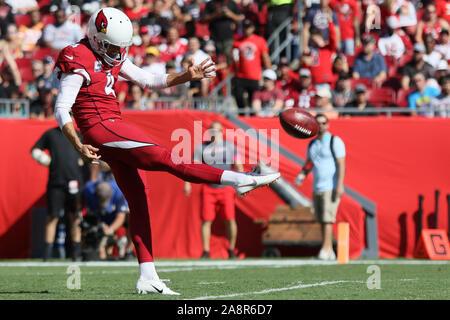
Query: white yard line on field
pixel 299 286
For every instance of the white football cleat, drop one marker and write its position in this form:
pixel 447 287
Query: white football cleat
pixel 325 255
pixel 259 180
pixel 153 286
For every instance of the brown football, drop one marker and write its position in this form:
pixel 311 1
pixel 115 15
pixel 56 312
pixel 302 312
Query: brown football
pixel 299 123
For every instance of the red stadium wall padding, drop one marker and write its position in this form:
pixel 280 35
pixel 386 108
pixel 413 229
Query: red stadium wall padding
pixel 390 161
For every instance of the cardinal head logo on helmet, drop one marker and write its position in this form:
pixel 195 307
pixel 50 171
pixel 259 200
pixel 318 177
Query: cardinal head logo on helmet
pixel 101 22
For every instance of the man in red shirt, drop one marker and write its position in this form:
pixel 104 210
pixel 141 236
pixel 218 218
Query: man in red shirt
pixel 305 93
pixel 87 71
pixel 252 52
pixel 348 16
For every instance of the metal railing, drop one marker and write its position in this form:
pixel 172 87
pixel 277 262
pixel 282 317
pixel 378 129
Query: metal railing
pixel 15 108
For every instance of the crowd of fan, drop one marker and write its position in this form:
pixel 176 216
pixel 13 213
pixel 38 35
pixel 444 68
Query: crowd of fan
pixel 364 54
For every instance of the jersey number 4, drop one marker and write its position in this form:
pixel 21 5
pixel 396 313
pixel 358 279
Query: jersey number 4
pixel 109 84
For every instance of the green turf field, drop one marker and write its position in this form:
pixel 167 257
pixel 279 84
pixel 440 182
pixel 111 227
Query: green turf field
pixel 247 279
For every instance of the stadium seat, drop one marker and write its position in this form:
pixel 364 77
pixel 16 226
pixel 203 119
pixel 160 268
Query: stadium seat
pixel 22 20
pixel 48 19
pixel 403 60
pixel 40 53
pixel 402 97
pixel 381 97
pixel 392 66
pixel 350 60
pixel 24 65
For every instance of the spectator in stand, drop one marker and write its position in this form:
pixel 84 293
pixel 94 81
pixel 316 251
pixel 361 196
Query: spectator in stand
pixel 138 100
pixel 6 17
pixel 30 35
pixel 251 54
pixel 198 55
pixel 340 65
pixel 441 71
pixel 48 79
pixel 13 69
pixel 134 9
pixel 105 201
pixel 391 45
pixel 288 80
pixel 14 41
pixel 63 188
pixel 319 56
pixel 360 102
pixel 32 89
pixel 323 102
pixel 222 16
pixel 348 16
pixel 343 93
pixel 420 99
pixel 416 65
pixel 152 63
pixel 7 83
pixel 304 95
pixel 156 23
pixel 320 18
pixel 444 44
pixel 268 101
pixel 430 24
pixel 369 64
pixel 406 13
pixel 441 104
pixel 61 33
pixel 174 49
pixel 44 106
pixel 432 56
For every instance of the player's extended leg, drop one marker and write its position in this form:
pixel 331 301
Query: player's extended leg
pixel 118 140
pixel 131 182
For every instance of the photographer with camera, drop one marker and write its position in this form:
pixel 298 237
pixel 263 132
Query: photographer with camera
pixel 106 214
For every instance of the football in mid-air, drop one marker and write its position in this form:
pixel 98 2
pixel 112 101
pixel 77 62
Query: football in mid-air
pixel 299 123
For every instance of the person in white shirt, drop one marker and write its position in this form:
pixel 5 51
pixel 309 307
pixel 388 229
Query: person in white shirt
pixel 198 55
pixel 62 33
pixel 432 56
pixel 444 44
pixel 392 44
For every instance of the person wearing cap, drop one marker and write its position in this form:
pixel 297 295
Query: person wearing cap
pixel 441 104
pixel 106 204
pixel 62 32
pixel 268 101
pixel 391 44
pixel 342 93
pixel 325 157
pixel 288 79
pixel 369 64
pixel 48 80
pixel 419 101
pixel 416 65
pixel 319 57
pixel 359 102
pixel 323 103
pixel 152 63
pixel 304 95
pixel 250 56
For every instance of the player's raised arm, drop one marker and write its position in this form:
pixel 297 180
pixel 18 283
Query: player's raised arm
pixel 149 80
pixel 69 86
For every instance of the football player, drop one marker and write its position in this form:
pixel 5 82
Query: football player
pixel 87 71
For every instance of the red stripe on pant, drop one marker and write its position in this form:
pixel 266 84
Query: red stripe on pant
pixel 125 164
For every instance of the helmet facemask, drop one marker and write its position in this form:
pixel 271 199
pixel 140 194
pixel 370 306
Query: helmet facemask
pixel 111 55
